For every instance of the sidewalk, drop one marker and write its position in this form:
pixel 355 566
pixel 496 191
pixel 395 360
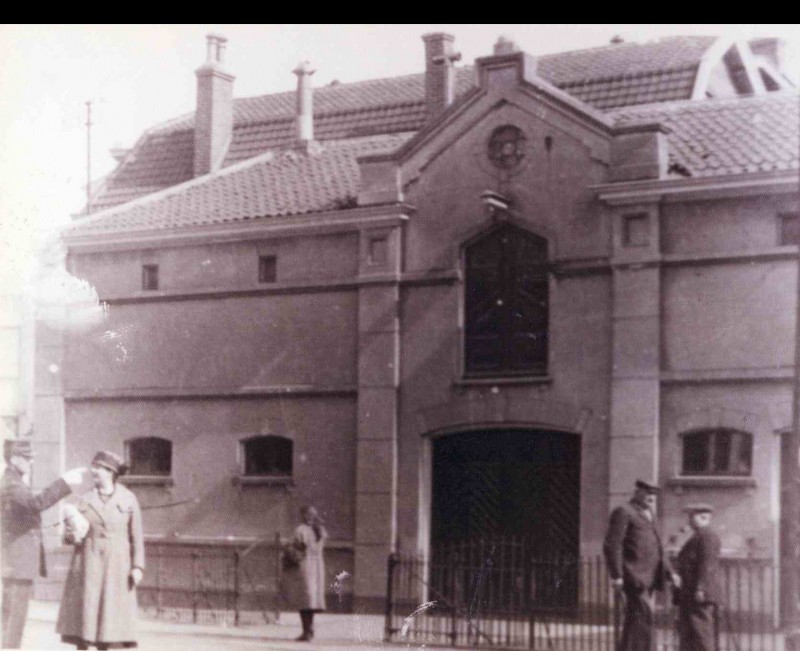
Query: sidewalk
pixel 333 631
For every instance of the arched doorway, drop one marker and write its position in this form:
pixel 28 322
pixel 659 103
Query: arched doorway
pixel 508 482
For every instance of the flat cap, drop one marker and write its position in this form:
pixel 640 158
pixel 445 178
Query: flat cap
pixel 647 488
pixel 17 448
pixel 698 507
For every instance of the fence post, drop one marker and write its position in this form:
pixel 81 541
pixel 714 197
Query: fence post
pixel 387 633
pixel 278 575
pixel 236 586
pixel 159 603
pixel 194 587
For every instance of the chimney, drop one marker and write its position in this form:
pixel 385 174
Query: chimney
pixel 440 75
pixel 304 119
pixel 213 121
pixel 505 45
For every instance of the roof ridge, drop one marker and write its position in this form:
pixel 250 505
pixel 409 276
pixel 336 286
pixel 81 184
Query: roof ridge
pixel 341 84
pixel 626 44
pixel 708 103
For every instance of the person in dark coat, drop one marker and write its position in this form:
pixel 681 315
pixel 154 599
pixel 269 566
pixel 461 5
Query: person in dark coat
pixel 99 603
pixel 637 564
pixel 698 566
pixel 303 583
pixel 22 547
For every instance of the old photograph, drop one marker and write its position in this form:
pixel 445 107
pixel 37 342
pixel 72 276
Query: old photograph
pixel 360 337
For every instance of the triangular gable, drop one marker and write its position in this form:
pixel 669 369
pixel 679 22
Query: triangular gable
pixel 511 80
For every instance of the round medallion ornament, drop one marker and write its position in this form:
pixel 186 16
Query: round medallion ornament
pixel 506 147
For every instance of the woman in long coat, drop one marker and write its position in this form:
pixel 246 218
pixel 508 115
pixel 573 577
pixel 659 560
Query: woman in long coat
pixel 99 603
pixel 304 584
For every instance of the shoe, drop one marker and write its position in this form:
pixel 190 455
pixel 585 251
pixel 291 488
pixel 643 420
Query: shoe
pixel 305 637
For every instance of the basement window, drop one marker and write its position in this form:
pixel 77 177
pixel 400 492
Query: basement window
pixel 717 452
pixel 150 276
pixel 149 460
pixel 267 269
pixel 265 459
pixel 789 228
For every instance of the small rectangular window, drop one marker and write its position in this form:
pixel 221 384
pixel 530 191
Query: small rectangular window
pixel 150 276
pixel 790 228
pixel 267 269
pixel 267 456
pixel 636 230
pixel 378 250
pixel 149 456
pixel 717 452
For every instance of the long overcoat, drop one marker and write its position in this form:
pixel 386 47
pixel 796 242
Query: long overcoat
pixel 21 522
pixel 304 586
pixel 633 549
pixel 99 603
pixel 698 565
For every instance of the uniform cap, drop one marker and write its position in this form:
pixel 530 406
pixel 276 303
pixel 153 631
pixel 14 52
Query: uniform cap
pixel 699 507
pixel 17 448
pixel 647 488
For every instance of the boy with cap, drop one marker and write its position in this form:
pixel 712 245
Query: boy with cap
pixel 22 547
pixel 636 564
pixel 698 565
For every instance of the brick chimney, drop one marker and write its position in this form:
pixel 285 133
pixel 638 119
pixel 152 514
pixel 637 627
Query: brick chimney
pixel 304 114
pixel 213 121
pixel 440 74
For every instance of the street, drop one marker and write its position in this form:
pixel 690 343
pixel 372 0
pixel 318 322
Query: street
pixel 339 632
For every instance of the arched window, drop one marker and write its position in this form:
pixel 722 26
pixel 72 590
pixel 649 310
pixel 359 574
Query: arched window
pixel 717 452
pixel 506 303
pixel 267 456
pixel 149 456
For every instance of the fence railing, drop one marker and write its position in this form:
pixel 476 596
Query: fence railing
pixel 212 583
pixel 492 592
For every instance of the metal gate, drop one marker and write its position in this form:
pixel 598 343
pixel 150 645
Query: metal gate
pixel 508 482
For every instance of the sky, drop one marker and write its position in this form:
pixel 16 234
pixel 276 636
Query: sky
pixel 139 76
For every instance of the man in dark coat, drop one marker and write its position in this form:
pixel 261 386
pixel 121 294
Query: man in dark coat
pixel 636 564
pixel 22 546
pixel 698 566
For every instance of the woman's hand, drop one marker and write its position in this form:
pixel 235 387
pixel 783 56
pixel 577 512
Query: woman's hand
pixel 136 576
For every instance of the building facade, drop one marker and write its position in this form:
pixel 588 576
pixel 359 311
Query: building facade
pixel 476 301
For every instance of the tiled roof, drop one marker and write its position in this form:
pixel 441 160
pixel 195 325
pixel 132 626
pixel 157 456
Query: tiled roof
pixel 727 136
pixel 271 185
pixel 607 77
pixel 713 137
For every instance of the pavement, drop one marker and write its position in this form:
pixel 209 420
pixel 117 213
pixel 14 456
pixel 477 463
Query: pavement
pixel 359 632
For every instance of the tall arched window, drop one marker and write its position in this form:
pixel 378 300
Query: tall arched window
pixel 149 456
pixel 267 456
pixel 506 303
pixel 717 451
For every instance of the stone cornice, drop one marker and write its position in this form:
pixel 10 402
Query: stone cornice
pixel 211 393
pixel 311 223
pixel 692 189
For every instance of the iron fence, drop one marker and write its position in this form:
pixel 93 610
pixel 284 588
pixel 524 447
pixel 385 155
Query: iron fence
pixel 493 592
pixel 212 583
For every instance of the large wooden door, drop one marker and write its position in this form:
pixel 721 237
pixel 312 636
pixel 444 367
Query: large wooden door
pixel 508 482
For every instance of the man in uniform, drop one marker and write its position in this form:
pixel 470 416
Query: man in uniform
pixel 636 564
pixel 698 566
pixel 22 547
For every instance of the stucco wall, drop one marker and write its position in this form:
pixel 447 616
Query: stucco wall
pixel 205 436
